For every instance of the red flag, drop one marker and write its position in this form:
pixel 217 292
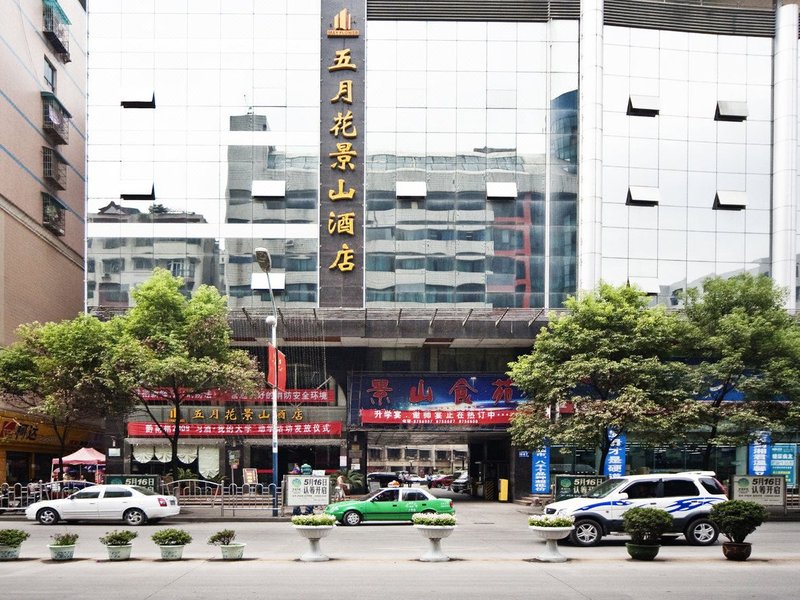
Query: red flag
pixel 281 368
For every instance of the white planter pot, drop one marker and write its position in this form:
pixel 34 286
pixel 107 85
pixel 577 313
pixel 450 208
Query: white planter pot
pixel 435 534
pixel 313 533
pixel 119 552
pixel 232 551
pixel 9 552
pixel 171 552
pixel 61 552
pixel 551 535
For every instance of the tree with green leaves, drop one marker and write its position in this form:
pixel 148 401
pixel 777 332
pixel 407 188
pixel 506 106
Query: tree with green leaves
pixel 61 372
pixel 747 353
pixel 175 348
pixel 604 366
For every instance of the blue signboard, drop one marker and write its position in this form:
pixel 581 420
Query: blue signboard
pixel 758 455
pixel 540 475
pixel 615 461
pixel 783 461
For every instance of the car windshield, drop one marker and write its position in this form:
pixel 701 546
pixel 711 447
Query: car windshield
pixel 143 490
pixel 605 488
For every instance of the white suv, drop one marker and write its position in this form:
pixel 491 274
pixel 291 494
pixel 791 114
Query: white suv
pixel 686 496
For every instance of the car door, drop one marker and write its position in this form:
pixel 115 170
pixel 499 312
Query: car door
pixel 641 492
pixel 383 506
pixel 80 505
pixel 411 501
pixel 681 499
pixel 114 502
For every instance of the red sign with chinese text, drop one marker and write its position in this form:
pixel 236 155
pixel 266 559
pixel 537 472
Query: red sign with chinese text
pixel 320 429
pixel 291 396
pixel 438 417
pixel 272 361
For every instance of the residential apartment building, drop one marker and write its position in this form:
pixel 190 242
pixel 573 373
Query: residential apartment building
pixel 42 194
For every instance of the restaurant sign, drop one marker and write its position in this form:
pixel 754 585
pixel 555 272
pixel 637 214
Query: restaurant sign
pixel 456 400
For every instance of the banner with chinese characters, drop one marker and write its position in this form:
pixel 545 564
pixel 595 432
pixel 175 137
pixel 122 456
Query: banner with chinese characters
pixel 540 471
pixel 342 160
pixel 615 460
pixel 319 429
pixel 435 400
pixel 758 454
pixel 290 396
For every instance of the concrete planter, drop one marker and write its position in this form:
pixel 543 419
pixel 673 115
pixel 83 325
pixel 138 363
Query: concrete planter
pixel 551 535
pixel 435 535
pixel 232 551
pixel 171 552
pixel 61 552
pixel 122 552
pixel 313 533
pixel 9 552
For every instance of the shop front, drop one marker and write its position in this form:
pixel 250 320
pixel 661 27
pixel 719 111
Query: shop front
pixel 28 446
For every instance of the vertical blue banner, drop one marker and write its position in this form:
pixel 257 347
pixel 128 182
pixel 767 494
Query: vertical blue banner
pixel 540 476
pixel 758 455
pixel 615 461
pixel 783 461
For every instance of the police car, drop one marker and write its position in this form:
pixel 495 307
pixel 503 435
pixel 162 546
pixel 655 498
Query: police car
pixel 688 497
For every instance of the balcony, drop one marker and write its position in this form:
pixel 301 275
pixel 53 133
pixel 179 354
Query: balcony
pixel 54 168
pixel 55 119
pixel 53 214
pixel 56 29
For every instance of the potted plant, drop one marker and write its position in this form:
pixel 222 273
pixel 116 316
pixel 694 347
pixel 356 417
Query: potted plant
pixel 171 542
pixel 63 546
pixel 10 541
pixel 736 520
pixel 551 528
pixel 224 539
pixel 313 528
pixel 118 544
pixel 435 527
pixel 645 525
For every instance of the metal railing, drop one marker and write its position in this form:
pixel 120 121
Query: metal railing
pixel 230 497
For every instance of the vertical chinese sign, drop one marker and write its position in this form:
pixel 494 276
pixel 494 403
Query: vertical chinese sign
pixel 615 460
pixel 342 160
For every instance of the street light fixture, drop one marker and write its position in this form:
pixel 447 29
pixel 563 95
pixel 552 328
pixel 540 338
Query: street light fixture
pixel 265 262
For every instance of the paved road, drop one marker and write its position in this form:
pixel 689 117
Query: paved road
pixel 491 551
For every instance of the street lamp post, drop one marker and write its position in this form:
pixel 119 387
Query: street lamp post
pixel 265 262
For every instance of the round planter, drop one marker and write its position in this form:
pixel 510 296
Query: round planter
pixel 642 551
pixel 232 551
pixel 61 552
pixel 171 552
pixel 736 551
pixel 313 533
pixel 551 535
pixel 9 552
pixel 122 552
pixel 435 534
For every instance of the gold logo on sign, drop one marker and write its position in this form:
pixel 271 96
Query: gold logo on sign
pixel 342 25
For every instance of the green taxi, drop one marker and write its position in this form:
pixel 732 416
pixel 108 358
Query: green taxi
pixel 389 504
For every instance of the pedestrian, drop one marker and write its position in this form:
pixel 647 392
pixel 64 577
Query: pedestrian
pixel 296 469
pixel 341 488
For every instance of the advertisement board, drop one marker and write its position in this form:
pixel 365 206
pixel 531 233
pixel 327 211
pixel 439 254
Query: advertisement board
pixel 151 482
pixel 575 486
pixel 307 490
pixel 767 490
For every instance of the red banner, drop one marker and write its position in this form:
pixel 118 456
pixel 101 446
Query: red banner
pixel 319 429
pixel 291 396
pixel 276 358
pixel 437 417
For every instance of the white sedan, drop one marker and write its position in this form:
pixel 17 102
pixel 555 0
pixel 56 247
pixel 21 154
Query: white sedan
pixel 129 503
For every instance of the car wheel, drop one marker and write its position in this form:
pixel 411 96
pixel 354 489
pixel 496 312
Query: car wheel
pixel 586 533
pixel 428 512
pixel 134 517
pixel 47 516
pixel 351 517
pixel 702 532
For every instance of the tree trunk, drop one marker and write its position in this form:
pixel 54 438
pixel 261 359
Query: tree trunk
pixel 174 441
pixel 709 448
